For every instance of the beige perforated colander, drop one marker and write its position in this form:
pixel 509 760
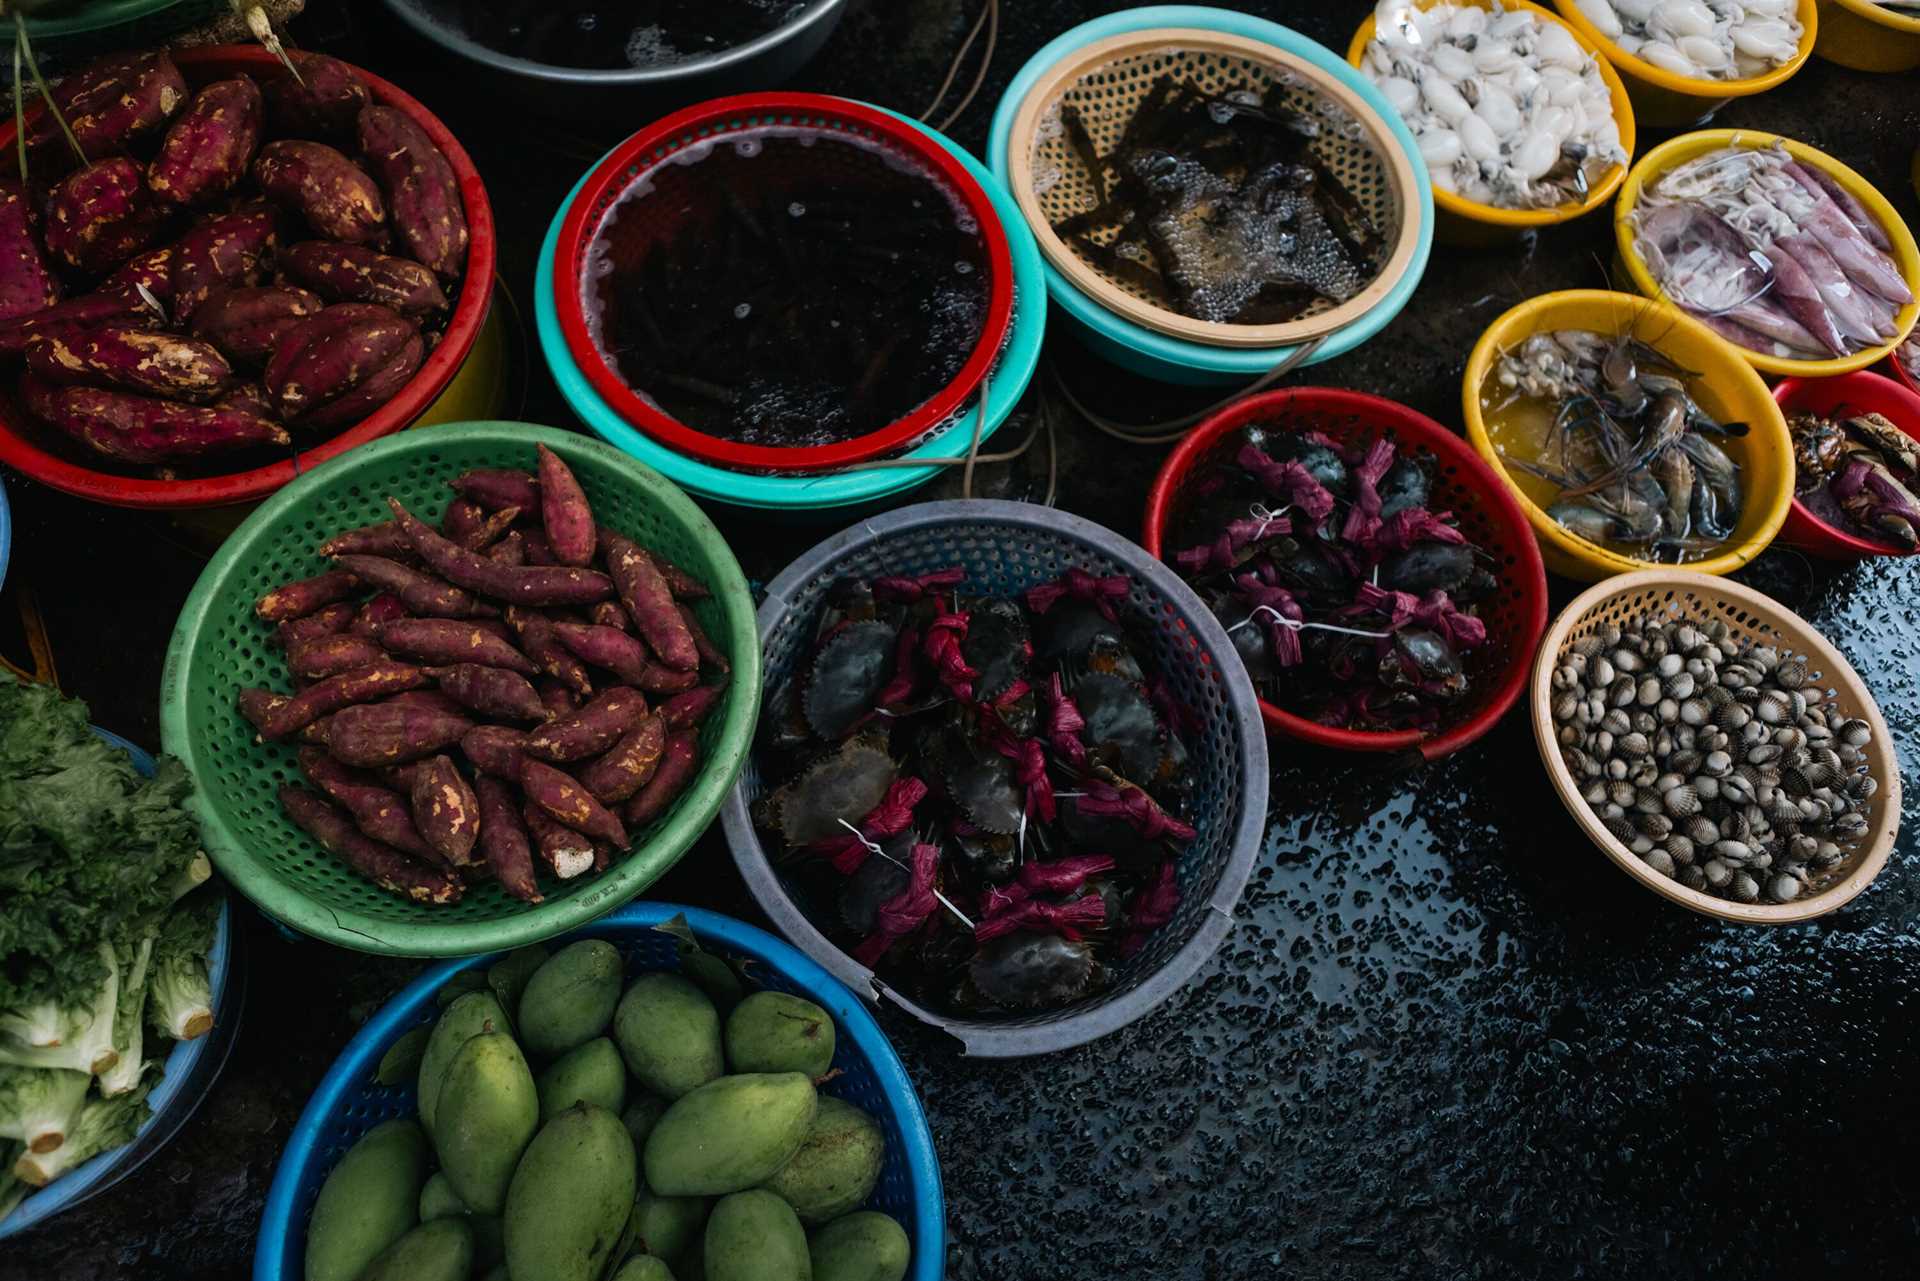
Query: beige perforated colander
pixel 1105 83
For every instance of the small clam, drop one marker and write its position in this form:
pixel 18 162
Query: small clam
pixel 1602 743
pixel 1732 851
pixel 1680 848
pixel 1594 793
pixel 1681 801
pixel 1622 793
pixel 1762 753
pixel 1660 861
pixel 1616 721
pixel 1791 674
pixel 1829 853
pixel 1851 825
pixel 1744 888
pixel 1855 733
pixel 1736 790
pixel 1774 707
pixel 1627 661
pixel 1679 685
pixel 1863 786
pixel 1616 768
pixel 1620 830
pixel 1707 786
pixel 1717 873
pixel 1588 646
pixel 1668 711
pixel 1717 763
pixel 1783 889
pixel 1632 745
pixel 1623 691
pixel 1600 672
pixel 1720 696
pixel 1654 825
pixel 1733 716
pixel 1649 691
pixel 1695 711
pixel 1702 830
pixel 1693 878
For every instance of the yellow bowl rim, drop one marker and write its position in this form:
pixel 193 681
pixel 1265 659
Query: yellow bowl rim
pixel 1769 432
pixel 1871 12
pixel 1689 86
pixel 1906 252
pixel 1522 219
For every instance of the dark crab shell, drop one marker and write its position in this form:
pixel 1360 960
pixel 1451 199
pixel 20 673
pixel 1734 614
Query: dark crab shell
pixel 1407 484
pixel 1427 567
pixel 987 857
pixel 1075 631
pixel 1123 730
pixel 1026 970
pixel 842 786
pixel 998 645
pixel 848 672
pixel 1109 834
pixel 982 787
pixel 874 882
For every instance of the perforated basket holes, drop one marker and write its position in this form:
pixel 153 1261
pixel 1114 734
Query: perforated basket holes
pixel 1107 96
pixel 1004 560
pixel 234 650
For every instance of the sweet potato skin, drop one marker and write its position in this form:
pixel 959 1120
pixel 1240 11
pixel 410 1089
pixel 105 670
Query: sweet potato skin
pixel 515 584
pixel 303 596
pixel 382 864
pixel 711 655
pixel 207 148
pixel 329 620
pixel 678 764
pixel 429 217
pixel 323 698
pixel 26 285
pixel 144 429
pixel 445 642
pixel 590 729
pixel 420 593
pixel 566 801
pixel 495 487
pixel 372 735
pixel 335 196
pixel 247 322
pixel 377 810
pixel 140 360
pixel 371 617
pixel 323 103
pixel 565 852
pixel 324 656
pixel 221 253
pixel 112 103
pixel 100 215
pixel 626 766
pixel 564 511
pixel 624 656
pixel 495 749
pixel 355 273
pixel 381 386
pixel 687 710
pixel 649 602
pixel 504 842
pixel 325 357
pixel 490 691
pixel 445 810
pixel 97 308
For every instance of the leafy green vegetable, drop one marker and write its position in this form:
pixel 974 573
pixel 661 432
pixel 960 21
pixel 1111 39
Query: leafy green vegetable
pixel 12 1190
pixel 179 993
pixel 103 1124
pixel 38 1106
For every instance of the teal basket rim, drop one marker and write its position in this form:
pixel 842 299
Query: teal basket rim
pixel 1176 359
pixel 357 1061
pixel 344 927
pixel 1007 383
pixel 100 15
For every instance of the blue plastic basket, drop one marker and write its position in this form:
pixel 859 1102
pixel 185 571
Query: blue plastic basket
pixel 6 533
pixel 349 1102
pixel 829 492
pixel 1176 360
pixel 186 1077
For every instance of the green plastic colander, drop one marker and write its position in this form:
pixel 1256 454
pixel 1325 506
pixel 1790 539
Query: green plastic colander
pixel 219 646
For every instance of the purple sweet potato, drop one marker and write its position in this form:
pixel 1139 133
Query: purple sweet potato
pixel 566 801
pixel 539 643
pixel 379 734
pixel 495 487
pixel 113 103
pixel 258 706
pixel 678 763
pixel 514 584
pixel 101 215
pixel 335 196
pixel 382 864
pixel 510 550
pixel 248 322
pixel 538 550
pixel 141 360
pixel 371 617
pixel 207 149
pixel 377 810
pixel 326 356
pixel 473 526
pixel 88 309
pixel 504 842
pixel 427 697
pixel 445 810
pixel 221 253
pixel 144 429
pixel 609 613
pixel 565 852
pixel 685 711
pixel 444 642
pixel 490 691
pixel 370 396
pixel 323 103
pixel 626 766
pixel 557 697
pixel 301 597
pixel 564 511
pixel 325 656
pixel 355 273
pixel 429 215
pixel 710 653
pixel 496 750
pixel 589 729
pixel 151 271
pixel 381 539
pixel 361 685
pixel 419 592
pixel 624 656
pixel 649 602
pixel 329 621
pixel 683 585
pixel 26 285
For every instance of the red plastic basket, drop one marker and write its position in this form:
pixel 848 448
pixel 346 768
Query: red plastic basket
pixel 1899 373
pixel 19 443
pixel 650 148
pixel 1487 513
pixel 1860 392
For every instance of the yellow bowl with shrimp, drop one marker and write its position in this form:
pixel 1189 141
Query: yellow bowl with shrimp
pixel 1724 385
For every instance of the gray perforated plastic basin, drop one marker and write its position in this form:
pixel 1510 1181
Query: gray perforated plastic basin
pixel 1006 548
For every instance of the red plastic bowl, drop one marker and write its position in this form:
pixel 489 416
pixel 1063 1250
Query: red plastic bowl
pixel 1860 392
pixel 624 166
pixel 469 313
pixel 1899 372
pixel 1480 501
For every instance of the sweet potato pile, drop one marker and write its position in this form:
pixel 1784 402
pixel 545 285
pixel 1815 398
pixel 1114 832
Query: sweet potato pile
pixel 516 691
pixel 240 268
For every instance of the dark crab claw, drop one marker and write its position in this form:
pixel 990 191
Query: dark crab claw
pixel 845 680
pixel 1878 431
pixel 1870 494
pixel 1028 970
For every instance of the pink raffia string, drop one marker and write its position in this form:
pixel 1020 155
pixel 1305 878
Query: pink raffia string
pixel 912 589
pixel 1275 607
pixel 907 672
pixel 1363 518
pixel 941 645
pixel 1229 549
pixel 1151 909
pixel 1140 812
pixel 1101 593
pixel 1434 610
pixel 1288 481
pixel 1412 525
pixel 1060 876
pixel 1064 723
pixel 1030 771
pixel 1013 693
pixel 850 850
pixel 1178 716
pixel 1068 920
pixel 906 911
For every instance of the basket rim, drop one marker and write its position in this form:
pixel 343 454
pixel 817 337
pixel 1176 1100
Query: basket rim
pixel 1523 319
pixel 1832 539
pixel 815 495
pixel 1407 423
pixel 1675 151
pixel 360 1054
pixel 1153 354
pixel 1519 219
pixel 1881 17
pixel 268 890
pixel 1836 672
pixel 1711 92
pixel 442 363
pixel 984 1038
pixel 715 117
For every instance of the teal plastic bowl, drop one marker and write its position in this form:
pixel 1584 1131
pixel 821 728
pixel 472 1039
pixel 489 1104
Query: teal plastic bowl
pixel 1175 360
pixel 830 492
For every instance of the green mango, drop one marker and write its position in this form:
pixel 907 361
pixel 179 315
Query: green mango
pixel 669 1034
pixel 570 998
pixel 713 976
pixel 570 1197
pixel 508 976
pixel 644 1267
pixel 836 1169
pixel 441 1250
pixel 438 1200
pixel 774 1032
pixel 667 1225
pixel 590 1073
pixel 642 1115
pixel 401 1062
pixel 369 1200
pixel 729 1135
pixel 489 1110
pixel 754 1236
pixel 863 1246
pixel 469 1016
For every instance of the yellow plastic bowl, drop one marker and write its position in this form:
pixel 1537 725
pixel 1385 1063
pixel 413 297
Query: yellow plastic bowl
pixel 1727 388
pixel 1663 100
pixel 1678 151
pixel 1459 221
pixel 1866 37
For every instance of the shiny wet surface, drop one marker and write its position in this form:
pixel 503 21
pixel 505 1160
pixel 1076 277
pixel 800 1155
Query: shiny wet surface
pixel 1446 1039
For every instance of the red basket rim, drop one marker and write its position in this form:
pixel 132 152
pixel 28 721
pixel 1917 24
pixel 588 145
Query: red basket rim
pixel 612 171
pixel 469 314
pixel 1408 425
pixel 1877 392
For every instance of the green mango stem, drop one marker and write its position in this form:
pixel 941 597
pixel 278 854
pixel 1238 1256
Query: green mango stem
pixel 33 66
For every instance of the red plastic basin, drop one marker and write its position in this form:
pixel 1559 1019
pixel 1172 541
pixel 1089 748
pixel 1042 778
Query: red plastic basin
pixel 1860 392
